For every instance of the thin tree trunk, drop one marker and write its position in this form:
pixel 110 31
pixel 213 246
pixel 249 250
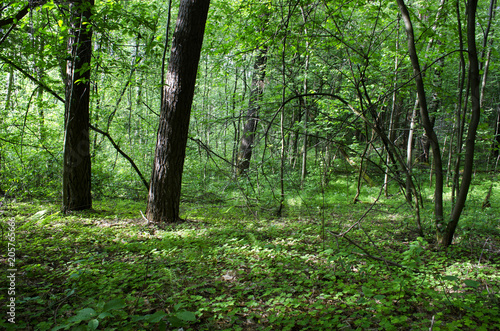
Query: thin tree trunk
pixel 252 117
pixel 429 130
pixel 409 151
pixel 166 177
pixel 496 138
pixel 39 96
pixel 306 109
pixel 474 78
pixel 236 124
pixel 459 119
pixel 392 131
pixel 485 60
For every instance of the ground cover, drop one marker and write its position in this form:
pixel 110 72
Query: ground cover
pixel 227 268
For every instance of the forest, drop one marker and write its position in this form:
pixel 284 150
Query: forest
pixel 250 165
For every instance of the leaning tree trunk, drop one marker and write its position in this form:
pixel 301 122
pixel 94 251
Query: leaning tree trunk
pixel 76 168
pixel 424 115
pixel 165 186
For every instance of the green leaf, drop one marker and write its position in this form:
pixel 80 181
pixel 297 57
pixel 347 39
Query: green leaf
pixel 450 278
pixel 186 316
pixel 104 315
pixel 93 324
pixel 114 304
pixel 83 315
pixel 175 322
pixel 137 318
pixel 367 291
pixel 156 317
pixel 471 283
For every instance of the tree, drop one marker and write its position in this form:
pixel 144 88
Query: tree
pixel 447 233
pixel 165 185
pixel 446 230
pixel 252 117
pixel 76 166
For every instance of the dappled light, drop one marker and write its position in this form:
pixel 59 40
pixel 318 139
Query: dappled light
pixel 250 165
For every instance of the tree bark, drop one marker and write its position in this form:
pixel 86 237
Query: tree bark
pixel 165 185
pixel 77 168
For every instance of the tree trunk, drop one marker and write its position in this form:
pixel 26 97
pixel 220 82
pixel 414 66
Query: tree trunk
pixel 409 152
pixel 470 141
pixel 252 118
pixel 496 139
pixel 462 106
pixel 77 168
pixel 165 186
pixel 392 132
pixel 427 124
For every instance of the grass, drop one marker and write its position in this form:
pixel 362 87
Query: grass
pixel 234 266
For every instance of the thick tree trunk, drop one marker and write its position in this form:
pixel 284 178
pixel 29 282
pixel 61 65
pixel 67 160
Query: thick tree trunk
pixel 252 117
pixel 165 186
pixel 77 169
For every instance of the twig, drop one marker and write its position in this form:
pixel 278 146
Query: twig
pixel 144 217
pixel 482 251
pixel 372 256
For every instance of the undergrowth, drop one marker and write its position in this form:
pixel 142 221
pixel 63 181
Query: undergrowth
pixel 232 265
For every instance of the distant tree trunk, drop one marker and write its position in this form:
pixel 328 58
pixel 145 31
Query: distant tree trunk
pixel 496 139
pixel 76 168
pixel 252 117
pixel 165 186
pixel 39 96
pixel 392 126
pixel 459 122
pixel 306 107
pixel 484 60
pixel 409 152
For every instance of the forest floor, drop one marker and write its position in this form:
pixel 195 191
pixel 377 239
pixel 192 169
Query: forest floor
pixel 235 267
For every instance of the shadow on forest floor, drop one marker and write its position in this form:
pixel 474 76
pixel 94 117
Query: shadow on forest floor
pixel 227 268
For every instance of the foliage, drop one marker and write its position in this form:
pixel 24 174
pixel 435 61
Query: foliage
pixel 234 264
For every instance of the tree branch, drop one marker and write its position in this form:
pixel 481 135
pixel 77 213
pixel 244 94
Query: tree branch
pixel 58 97
pixel 20 14
pixel 35 80
pixel 119 150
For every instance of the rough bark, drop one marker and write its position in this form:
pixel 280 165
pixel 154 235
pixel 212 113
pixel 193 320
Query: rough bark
pixel 165 185
pixel 77 167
